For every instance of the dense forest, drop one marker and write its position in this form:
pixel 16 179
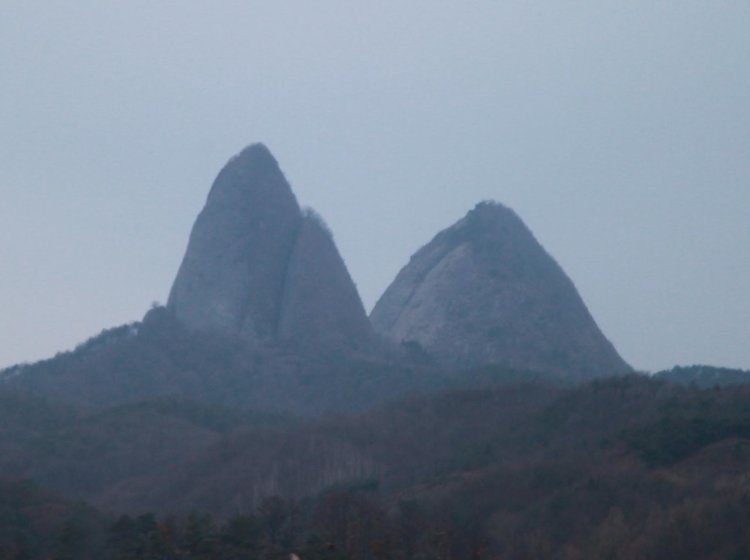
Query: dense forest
pixel 625 467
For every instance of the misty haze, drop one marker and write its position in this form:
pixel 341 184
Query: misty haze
pixel 364 282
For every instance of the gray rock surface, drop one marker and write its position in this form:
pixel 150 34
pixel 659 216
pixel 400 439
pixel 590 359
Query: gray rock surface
pixel 319 295
pixel 484 291
pixel 256 268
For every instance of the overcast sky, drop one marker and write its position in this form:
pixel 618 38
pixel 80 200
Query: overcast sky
pixel 618 131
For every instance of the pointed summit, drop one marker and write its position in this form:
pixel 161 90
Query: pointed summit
pixel 233 271
pixel 245 169
pixel 484 291
pixel 243 250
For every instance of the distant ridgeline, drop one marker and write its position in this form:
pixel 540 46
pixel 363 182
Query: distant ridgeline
pixel 263 312
pixel 705 376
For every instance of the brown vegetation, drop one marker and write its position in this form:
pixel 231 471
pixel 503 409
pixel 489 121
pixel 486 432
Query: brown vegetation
pixel 619 468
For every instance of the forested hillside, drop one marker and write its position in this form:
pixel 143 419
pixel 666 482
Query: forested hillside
pixel 626 467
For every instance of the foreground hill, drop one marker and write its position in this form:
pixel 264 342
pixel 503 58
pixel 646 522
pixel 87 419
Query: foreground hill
pixel 35 523
pixel 626 467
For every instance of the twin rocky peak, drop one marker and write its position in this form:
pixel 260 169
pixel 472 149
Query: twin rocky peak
pixel 483 291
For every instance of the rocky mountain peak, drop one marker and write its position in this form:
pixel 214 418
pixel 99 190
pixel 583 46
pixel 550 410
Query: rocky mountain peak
pixel 244 171
pixel 484 291
pixel 488 219
pixel 249 244
pixel 488 214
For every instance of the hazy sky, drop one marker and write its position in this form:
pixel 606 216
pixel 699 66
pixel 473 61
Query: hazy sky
pixel 619 131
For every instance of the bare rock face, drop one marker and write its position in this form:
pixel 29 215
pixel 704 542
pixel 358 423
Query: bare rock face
pixel 484 291
pixel 319 295
pixel 256 268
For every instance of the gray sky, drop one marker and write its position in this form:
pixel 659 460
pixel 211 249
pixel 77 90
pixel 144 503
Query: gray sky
pixel 619 131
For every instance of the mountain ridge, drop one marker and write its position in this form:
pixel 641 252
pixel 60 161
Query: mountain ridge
pixel 263 313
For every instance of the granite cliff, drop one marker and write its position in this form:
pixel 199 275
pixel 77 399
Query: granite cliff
pixel 484 291
pixel 259 268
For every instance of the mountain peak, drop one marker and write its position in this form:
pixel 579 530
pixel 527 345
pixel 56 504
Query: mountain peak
pixel 244 171
pixel 487 218
pixel 489 207
pixel 243 249
pixel 484 291
pixel 256 154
